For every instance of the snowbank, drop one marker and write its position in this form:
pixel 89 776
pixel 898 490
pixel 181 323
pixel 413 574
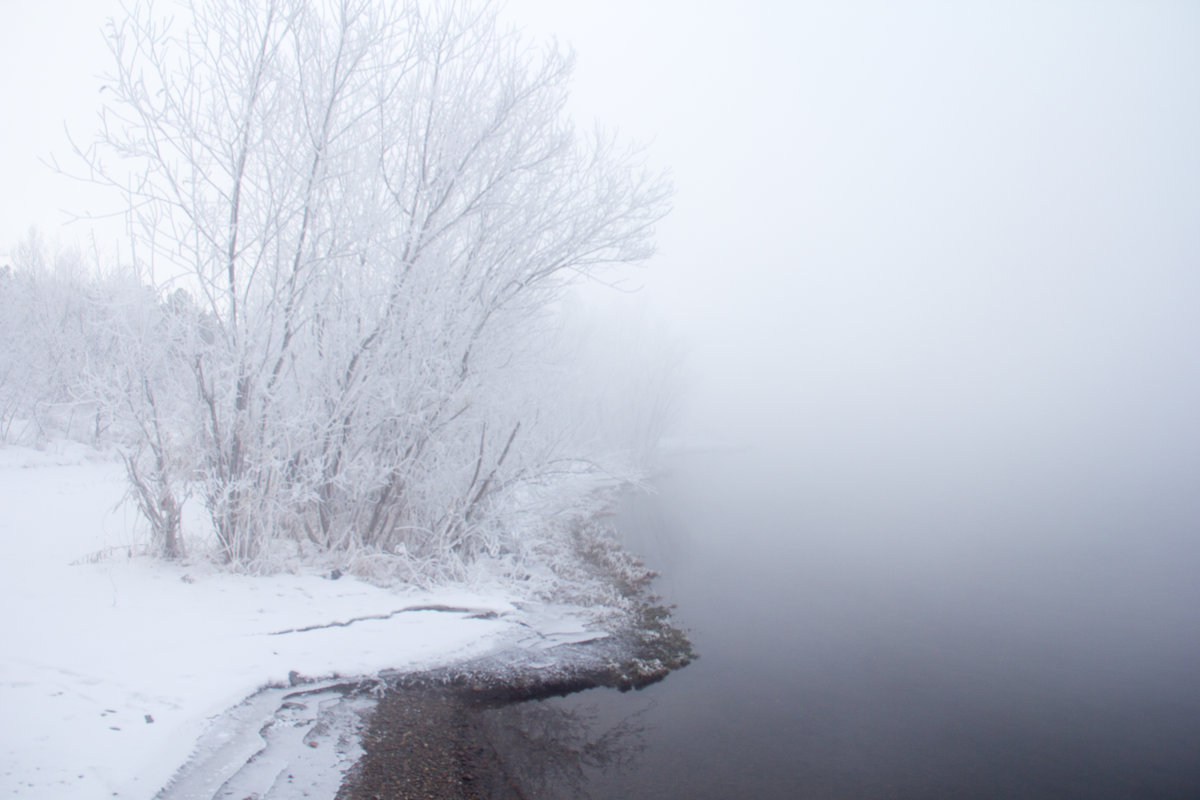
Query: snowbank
pixel 113 666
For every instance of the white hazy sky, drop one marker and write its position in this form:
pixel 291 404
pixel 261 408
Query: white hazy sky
pixel 904 229
pixel 899 225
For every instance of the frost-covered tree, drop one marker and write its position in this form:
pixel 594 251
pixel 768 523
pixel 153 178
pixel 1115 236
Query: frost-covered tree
pixel 94 356
pixel 49 322
pixel 376 206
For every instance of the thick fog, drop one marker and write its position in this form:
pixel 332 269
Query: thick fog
pixel 932 252
pixel 920 250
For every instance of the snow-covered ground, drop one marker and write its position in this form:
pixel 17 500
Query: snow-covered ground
pixel 112 668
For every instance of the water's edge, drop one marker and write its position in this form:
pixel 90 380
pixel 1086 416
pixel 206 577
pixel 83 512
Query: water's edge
pixel 372 736
pixel 424 738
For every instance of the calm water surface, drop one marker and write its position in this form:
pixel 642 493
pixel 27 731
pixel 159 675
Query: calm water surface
pixel 897 639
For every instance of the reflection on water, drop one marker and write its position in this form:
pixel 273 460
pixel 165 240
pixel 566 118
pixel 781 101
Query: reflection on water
pixel 1001 644
pixel 546 750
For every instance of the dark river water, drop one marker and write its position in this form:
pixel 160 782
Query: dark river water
pixel 897 639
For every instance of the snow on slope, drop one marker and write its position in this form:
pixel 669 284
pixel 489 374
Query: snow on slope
pixel 112 668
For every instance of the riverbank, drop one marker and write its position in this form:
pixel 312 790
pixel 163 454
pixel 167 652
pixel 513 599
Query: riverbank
pixel 417 733
pixel 434 735
pixel 118 669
